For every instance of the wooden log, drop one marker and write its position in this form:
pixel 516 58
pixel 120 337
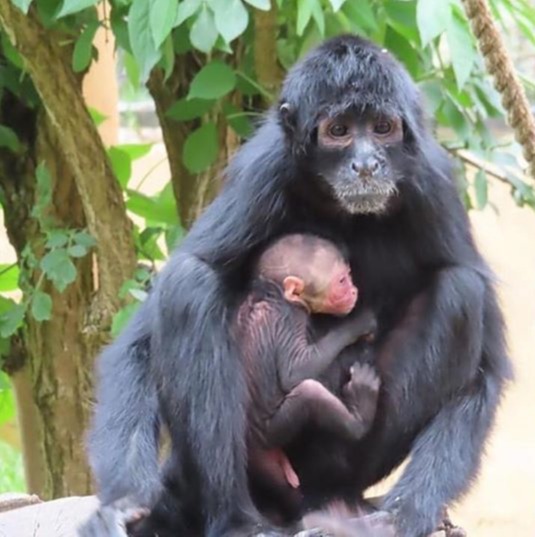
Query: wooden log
pixel 81 516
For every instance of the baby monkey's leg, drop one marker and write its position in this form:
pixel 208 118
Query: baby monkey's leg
pixel 311 402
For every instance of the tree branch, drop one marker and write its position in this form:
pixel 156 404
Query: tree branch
pixel 488 167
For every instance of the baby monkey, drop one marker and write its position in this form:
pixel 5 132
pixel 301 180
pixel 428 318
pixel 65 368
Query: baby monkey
pixel 298 276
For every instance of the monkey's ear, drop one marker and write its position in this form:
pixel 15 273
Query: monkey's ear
pixel 287 116
pixel 293 288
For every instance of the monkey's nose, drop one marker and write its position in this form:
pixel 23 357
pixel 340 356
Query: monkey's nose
pixel 365 169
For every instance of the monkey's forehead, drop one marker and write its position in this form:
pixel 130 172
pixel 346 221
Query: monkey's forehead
pixel 349 73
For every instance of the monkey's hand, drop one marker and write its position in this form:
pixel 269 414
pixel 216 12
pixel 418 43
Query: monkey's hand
pixel 362 325
pixel 113 520
pixel 361 392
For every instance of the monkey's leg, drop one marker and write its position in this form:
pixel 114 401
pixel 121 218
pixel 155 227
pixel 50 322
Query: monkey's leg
pixel 311 402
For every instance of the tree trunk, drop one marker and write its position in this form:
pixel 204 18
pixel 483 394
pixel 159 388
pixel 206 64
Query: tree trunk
pixel 268 71
pixel 192 191
pixel 51 362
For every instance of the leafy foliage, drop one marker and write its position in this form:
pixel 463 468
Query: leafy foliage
pixel 11 470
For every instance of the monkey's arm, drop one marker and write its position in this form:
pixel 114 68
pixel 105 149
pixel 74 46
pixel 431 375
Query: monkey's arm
pixel 301 359
pixel 449 350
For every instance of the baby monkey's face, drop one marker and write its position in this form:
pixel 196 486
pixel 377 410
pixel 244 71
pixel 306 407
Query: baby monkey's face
pixel 339 296
pixel 329 290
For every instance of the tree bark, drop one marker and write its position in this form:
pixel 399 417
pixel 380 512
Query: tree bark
pixel 164 94
pixel 268 71
pixel 51 362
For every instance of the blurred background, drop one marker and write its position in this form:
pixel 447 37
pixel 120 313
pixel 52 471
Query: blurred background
pixel 116 119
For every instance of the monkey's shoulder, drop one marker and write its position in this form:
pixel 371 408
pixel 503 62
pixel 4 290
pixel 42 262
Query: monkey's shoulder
pixel 265 307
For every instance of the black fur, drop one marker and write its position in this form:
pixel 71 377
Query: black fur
pixel 440 344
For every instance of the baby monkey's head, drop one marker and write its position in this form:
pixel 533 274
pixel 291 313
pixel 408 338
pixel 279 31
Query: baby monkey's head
pixel 311 271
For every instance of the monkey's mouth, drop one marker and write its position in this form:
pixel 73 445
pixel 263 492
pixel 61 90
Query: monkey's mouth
pixel 365 199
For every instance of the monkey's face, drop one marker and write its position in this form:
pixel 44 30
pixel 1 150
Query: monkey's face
pixel 356 157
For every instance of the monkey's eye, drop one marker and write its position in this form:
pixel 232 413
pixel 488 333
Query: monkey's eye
pixel 343 279
pixel 382 127
pixel 338 130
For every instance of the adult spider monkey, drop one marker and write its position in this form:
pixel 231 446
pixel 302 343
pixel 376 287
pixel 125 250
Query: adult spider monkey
pixel 346 152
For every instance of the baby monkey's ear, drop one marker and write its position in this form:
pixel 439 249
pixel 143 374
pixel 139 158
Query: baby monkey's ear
pixel 293 289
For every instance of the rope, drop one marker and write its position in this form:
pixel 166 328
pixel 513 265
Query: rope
pixel 506 81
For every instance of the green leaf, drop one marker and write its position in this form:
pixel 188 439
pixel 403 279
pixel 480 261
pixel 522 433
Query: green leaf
pixel 402 49
pixel 213 81
pixel 489 98
pixel 84 239
pixel 57 238
pixel 433 91
pixel 317 13
pixel 361 14
pixel 7 404
pixel 187 109
pixel 9 139
pixel 97 117
pixel 449 115
pixel 264 5
pixel 145 51
pixel 43 195
pixel 336 4
pixel 432 17
pixel 238 120
pixel 158 209
pixel 12 472
pixel 6 304
pixel 121 318
pixel 481 188
pixel 181 42
pixel 132 70
pixel 81 57
pixel 74 6
pixel 402 17
pixel 148 244
pixel 119 27
pixel 10 52
pixel 4 382
pixel 186 9
pixel 167 62
pixel 200 148
pixel 203 33
pixel 231 19
pixel 304 14
pixel 462 50
pixel 23 5
pixel 77 250
pixel 162 17
pixel 9 277
pixel 121 164
pixel 11 320
pixel 135 151
pixel 59 268
pixel 138 294
pixel 41 306
pixel 44 183
pixel 173 235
